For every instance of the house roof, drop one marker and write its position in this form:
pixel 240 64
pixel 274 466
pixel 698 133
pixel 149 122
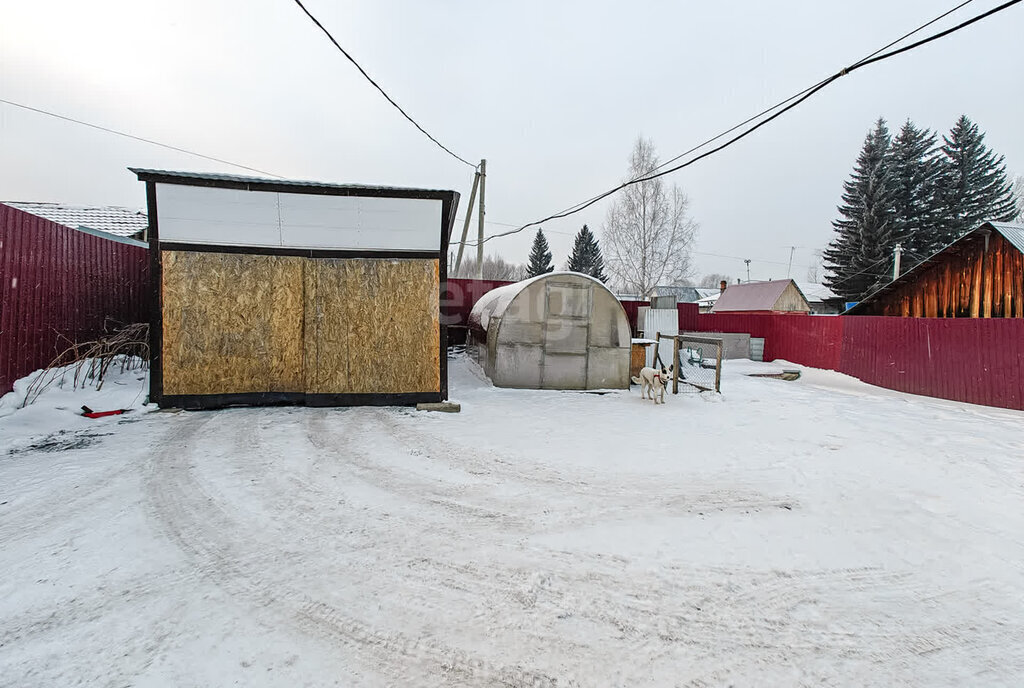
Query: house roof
pixel 683 294
pixel 123 222
pixel 817 292
pixel 1013 233
pixel 752 296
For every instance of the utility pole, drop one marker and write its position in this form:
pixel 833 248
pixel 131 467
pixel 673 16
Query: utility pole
pixel 896 263
pixel 469 216
pixel 747 261
pixel 789 270
pixel 480 226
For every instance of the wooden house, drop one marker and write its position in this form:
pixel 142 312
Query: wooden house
pixel 775 296
pixel 285 292
pixel 977 276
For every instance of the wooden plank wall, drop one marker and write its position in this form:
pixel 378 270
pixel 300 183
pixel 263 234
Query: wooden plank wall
pixel 232 323
pixel 241 323
pixel 968 282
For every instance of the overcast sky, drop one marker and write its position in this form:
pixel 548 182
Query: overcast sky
pixel 553 95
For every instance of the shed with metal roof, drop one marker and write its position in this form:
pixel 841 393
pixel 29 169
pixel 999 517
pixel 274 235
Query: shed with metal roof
pixel 775 296
pixel 561 330
pixel 980 275
pixel 275 291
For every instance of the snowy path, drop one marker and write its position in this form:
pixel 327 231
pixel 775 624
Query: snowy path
pixel 821 532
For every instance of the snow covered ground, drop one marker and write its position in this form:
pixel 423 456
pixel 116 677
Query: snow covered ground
pixel 818 532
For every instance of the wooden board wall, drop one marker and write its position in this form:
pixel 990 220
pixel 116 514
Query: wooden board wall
pixel 241 323
pixel 967 281
pixel 373 326
pixel 232 323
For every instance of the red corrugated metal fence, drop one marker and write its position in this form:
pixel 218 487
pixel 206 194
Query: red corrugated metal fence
pixel 59 284
pixel 977 360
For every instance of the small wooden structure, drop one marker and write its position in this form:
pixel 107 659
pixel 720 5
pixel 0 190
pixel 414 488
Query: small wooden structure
pixel 980 275
pixel 269 292
pixel 638 355
pixel 776 296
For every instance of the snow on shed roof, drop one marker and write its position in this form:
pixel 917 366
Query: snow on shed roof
pixel 816 292
pixel 752 296
pixel 123 222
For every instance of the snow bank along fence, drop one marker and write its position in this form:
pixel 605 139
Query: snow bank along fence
pixel 977 360
pixel 59 285
pixel 562 330
pixel 271 291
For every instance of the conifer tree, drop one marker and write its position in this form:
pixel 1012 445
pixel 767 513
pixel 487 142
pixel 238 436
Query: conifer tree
pixel 913 168
pixel 857 256
pixel 540 256
pixel 974 184
pixel 586 255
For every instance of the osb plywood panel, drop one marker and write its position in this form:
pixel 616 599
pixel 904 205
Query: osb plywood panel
pixel 376 325
pixel 232 323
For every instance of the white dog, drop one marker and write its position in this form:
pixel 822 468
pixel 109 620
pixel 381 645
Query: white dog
pixel 654 380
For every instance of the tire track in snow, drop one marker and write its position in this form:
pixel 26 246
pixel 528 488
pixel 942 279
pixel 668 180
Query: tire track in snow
pixel 204 531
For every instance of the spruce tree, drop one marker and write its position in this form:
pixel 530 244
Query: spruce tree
pixel 914 168
pixel 973 181
pixel 857 255
pixel 586 255
pixel 540 256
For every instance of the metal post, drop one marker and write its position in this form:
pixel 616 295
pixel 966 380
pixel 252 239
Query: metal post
pixel 480 226
pixel 789 270
pixel 718 368
pixel 465 226
pixel 675 365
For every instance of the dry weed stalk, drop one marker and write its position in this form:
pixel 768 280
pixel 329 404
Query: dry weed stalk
pixel 126 348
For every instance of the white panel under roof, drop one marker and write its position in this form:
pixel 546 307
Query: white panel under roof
pixel 360 222
pixel 233 217
pixel 223 217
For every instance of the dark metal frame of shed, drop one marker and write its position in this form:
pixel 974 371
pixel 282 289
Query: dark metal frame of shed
pixel 449 204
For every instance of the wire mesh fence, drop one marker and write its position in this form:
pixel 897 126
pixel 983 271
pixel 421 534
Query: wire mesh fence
pixel 696 362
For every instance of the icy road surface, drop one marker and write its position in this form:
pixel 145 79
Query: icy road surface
pixel 819 532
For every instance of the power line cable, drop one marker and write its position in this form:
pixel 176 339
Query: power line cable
pixel 793 101
pixel 137 138
pixel 377 86
pixel 594 199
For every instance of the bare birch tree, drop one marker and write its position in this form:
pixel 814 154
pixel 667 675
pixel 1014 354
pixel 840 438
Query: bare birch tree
pixel 648 233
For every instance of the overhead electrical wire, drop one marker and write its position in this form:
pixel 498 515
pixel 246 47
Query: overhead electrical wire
pixel 378 87
pixel 137 138
pixel 789 103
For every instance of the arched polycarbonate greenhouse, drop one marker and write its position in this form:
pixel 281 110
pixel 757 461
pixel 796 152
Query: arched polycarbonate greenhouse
pixel 562 330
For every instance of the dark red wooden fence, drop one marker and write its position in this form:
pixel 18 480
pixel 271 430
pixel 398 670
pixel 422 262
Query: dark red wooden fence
pixel 58 285
pixel 977 360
